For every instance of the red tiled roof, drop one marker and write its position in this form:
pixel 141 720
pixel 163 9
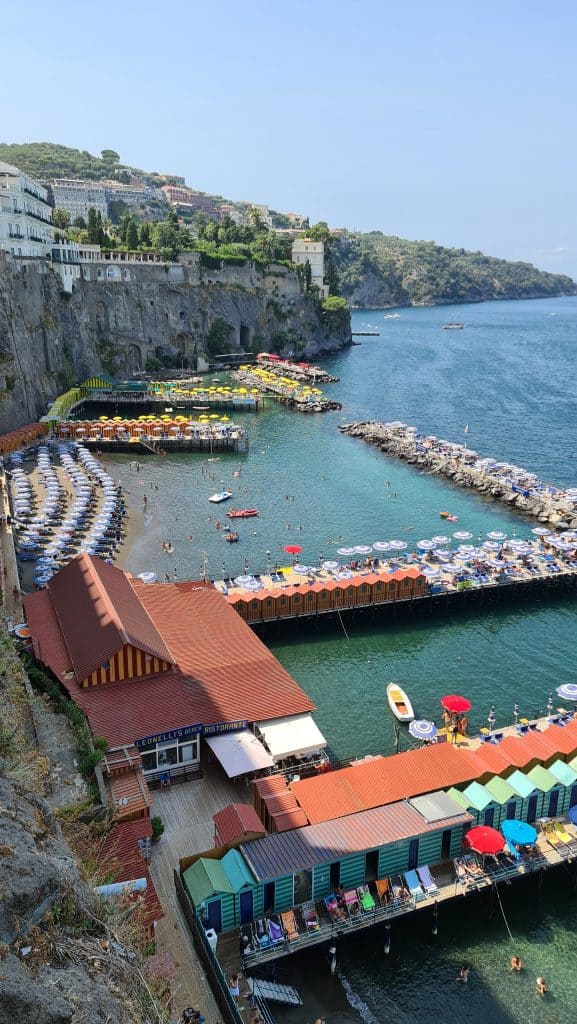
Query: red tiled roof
pixel 236 820
pixel 119 851
pixel 98 613
pixel 130 793
pixel 382 780
pixel 222 673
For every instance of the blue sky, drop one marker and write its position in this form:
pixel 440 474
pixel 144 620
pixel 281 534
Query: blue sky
pixel 438 120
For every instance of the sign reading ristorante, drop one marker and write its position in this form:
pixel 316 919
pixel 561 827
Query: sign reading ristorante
pixel 217 729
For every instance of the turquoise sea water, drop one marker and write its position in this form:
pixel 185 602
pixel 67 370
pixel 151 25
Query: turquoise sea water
pixel 511 375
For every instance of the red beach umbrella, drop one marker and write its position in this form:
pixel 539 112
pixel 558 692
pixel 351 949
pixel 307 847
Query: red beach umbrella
pixel 292 549
pixel 484 840
pixel 455 704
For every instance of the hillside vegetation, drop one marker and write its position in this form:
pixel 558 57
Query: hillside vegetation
pixel 382 270
pixel 48 160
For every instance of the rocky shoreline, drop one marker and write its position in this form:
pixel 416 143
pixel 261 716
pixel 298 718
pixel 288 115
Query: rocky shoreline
pixel 495 480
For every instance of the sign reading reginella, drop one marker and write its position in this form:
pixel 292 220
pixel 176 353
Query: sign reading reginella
pixel 191 730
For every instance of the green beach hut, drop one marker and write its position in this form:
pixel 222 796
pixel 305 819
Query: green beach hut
pixel 567 776
pixel 210 890
pixel 529 793
pixel 504 795
pixel 550 790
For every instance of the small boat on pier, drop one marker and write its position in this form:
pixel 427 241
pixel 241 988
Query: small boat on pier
pixel 399 703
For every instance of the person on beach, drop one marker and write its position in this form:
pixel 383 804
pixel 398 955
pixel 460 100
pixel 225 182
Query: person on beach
pixel 233 987
pixel 464 974
pixel 516 963
pixel 541 987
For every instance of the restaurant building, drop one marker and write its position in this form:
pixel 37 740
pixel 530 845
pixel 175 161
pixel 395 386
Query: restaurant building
pixel 169 669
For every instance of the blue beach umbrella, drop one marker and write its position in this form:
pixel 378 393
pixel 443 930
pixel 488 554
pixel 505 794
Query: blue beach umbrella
pixel 496 535
pixel 301 569
pixel 344 576
pixel 345 551
pixel 462 535
pixel 423 730
pixel 426 545
pixel 398 545
pixel 519 832
pixel 363 549
pixel 568 691
pixel 330 566
pixel 540 531
pixel 572 815
pixel 381 545
pixel 440 539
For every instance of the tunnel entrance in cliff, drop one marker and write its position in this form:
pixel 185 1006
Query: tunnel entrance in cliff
pixel 244 337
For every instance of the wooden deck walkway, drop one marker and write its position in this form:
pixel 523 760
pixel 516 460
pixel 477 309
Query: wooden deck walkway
pixel 186 810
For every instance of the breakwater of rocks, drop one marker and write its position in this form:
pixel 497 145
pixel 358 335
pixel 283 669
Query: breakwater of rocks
pixel 499 481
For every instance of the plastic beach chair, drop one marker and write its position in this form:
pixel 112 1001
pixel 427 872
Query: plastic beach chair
pixel 427 881
pixel 562 832
pixel 365 899
pixel 414 885
pixel 310 916
pixel 290 926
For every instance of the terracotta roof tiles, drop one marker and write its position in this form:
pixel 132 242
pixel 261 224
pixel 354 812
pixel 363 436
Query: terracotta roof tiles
pixel 236 820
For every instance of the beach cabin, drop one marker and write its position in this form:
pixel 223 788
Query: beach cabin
pixel 212 893
pixel 550 790
pixel 247 896
pixel 505 796
pixel 480 803
pixel 567 777
pixel 529 795
pixel 308 863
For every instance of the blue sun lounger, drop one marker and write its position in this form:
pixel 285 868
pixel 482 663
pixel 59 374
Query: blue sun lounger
pixel 427 881
pixel 414 885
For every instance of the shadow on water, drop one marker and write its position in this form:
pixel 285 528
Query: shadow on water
pixel 417 982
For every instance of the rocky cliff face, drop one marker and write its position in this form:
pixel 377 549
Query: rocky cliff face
pixel 50 340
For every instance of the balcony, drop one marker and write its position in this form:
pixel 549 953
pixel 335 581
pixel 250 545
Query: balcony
pixel 37 216
pixel 37 238
pixel 36 195
pixel 16 234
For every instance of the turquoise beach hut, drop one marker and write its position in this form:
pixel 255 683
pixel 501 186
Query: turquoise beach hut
pixel 481 804
pixel 247 895
pixel 567 776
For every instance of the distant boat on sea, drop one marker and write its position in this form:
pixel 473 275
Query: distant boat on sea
pixel 453 325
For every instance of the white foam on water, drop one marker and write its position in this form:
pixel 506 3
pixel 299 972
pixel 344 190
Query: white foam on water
pixel 355 1001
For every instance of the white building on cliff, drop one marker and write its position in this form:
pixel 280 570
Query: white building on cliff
pixel 25 216
pixel 304 250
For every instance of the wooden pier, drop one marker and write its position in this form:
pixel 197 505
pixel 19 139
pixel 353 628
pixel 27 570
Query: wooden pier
pixel 311 604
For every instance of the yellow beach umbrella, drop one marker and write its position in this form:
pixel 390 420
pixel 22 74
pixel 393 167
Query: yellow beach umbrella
pixel 213 416
pixel 117 419
pixel 103 419
pixel 224 419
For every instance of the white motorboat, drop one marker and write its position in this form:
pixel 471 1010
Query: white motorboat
pixel 399 703
pixel 220 496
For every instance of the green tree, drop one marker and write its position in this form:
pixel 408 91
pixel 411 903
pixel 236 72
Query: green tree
pixel 319 232
pixel 307 276
pixel 144 237
pixel 61 218
pixel 79 222
pixel 93 226
pixel 109 156
pixel 132 235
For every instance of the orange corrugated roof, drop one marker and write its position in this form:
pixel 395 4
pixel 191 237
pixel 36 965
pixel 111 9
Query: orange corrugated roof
pixel 564 738
pixel 286 820
pixel 270 784
pixel 382 780
pixel 130 793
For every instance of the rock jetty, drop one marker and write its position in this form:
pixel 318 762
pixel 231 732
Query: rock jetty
pixel 499 481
